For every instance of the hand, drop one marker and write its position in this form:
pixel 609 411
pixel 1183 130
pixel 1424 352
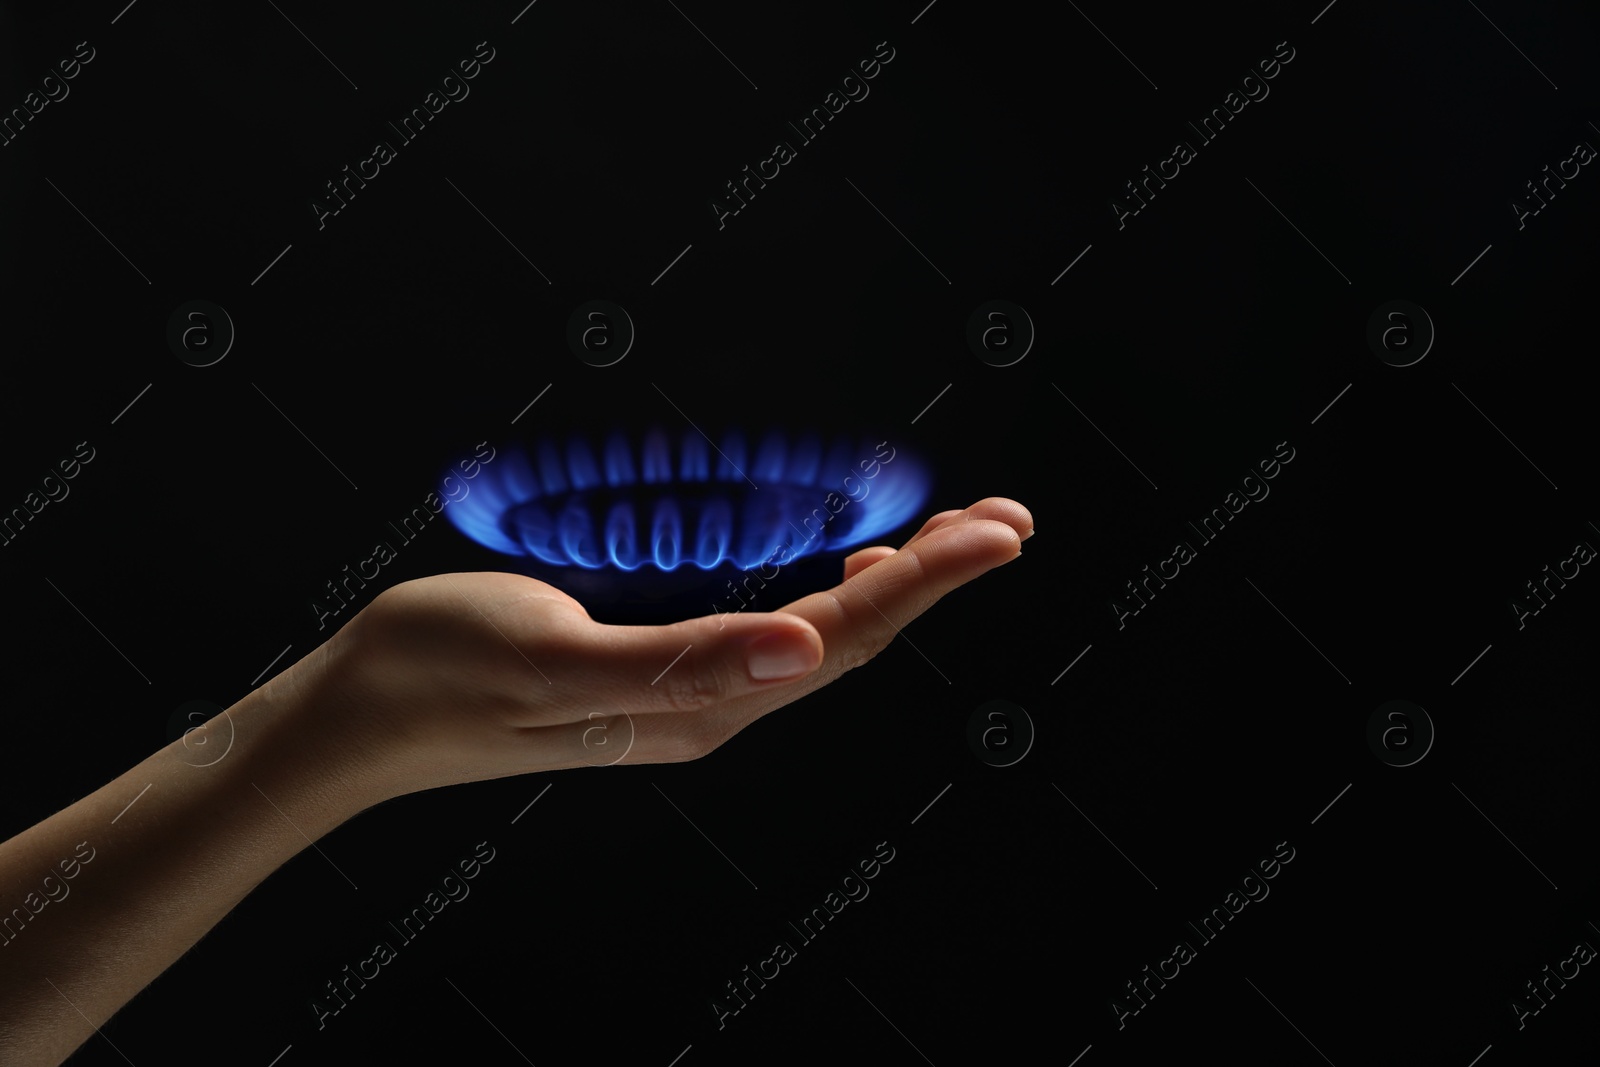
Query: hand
pixel 449 679
pixel 463 677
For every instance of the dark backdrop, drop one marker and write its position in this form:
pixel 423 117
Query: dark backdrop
pixel 1167 751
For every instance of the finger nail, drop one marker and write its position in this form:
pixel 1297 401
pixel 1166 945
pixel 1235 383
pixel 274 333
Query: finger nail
pixel 777 656
pixel 1028 534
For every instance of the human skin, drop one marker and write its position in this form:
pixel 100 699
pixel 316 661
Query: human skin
pixel 444 680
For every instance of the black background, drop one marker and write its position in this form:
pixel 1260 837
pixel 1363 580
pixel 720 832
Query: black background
pixel 1222 319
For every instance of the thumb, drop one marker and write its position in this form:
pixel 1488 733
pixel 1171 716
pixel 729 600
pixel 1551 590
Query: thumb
pixel 699 663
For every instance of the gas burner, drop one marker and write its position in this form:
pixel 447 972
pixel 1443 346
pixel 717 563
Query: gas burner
pixel 629 505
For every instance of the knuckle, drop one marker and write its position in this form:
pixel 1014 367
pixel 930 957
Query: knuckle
pixel 857 655
pixel 868 636
pixel 693 684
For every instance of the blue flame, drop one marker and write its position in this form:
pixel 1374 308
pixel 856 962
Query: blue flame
pixel 702 504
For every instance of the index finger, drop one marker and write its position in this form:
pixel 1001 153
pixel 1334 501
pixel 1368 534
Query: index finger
pixel 859 617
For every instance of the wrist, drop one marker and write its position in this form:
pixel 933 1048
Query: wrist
pixel 301 745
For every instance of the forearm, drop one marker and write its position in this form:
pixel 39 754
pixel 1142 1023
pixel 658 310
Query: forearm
pixel 172 846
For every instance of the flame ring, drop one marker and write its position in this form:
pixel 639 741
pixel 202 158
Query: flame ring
pixel 700 503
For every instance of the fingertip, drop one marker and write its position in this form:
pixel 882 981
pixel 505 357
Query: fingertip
pixel 1006 510
pixel 991 540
